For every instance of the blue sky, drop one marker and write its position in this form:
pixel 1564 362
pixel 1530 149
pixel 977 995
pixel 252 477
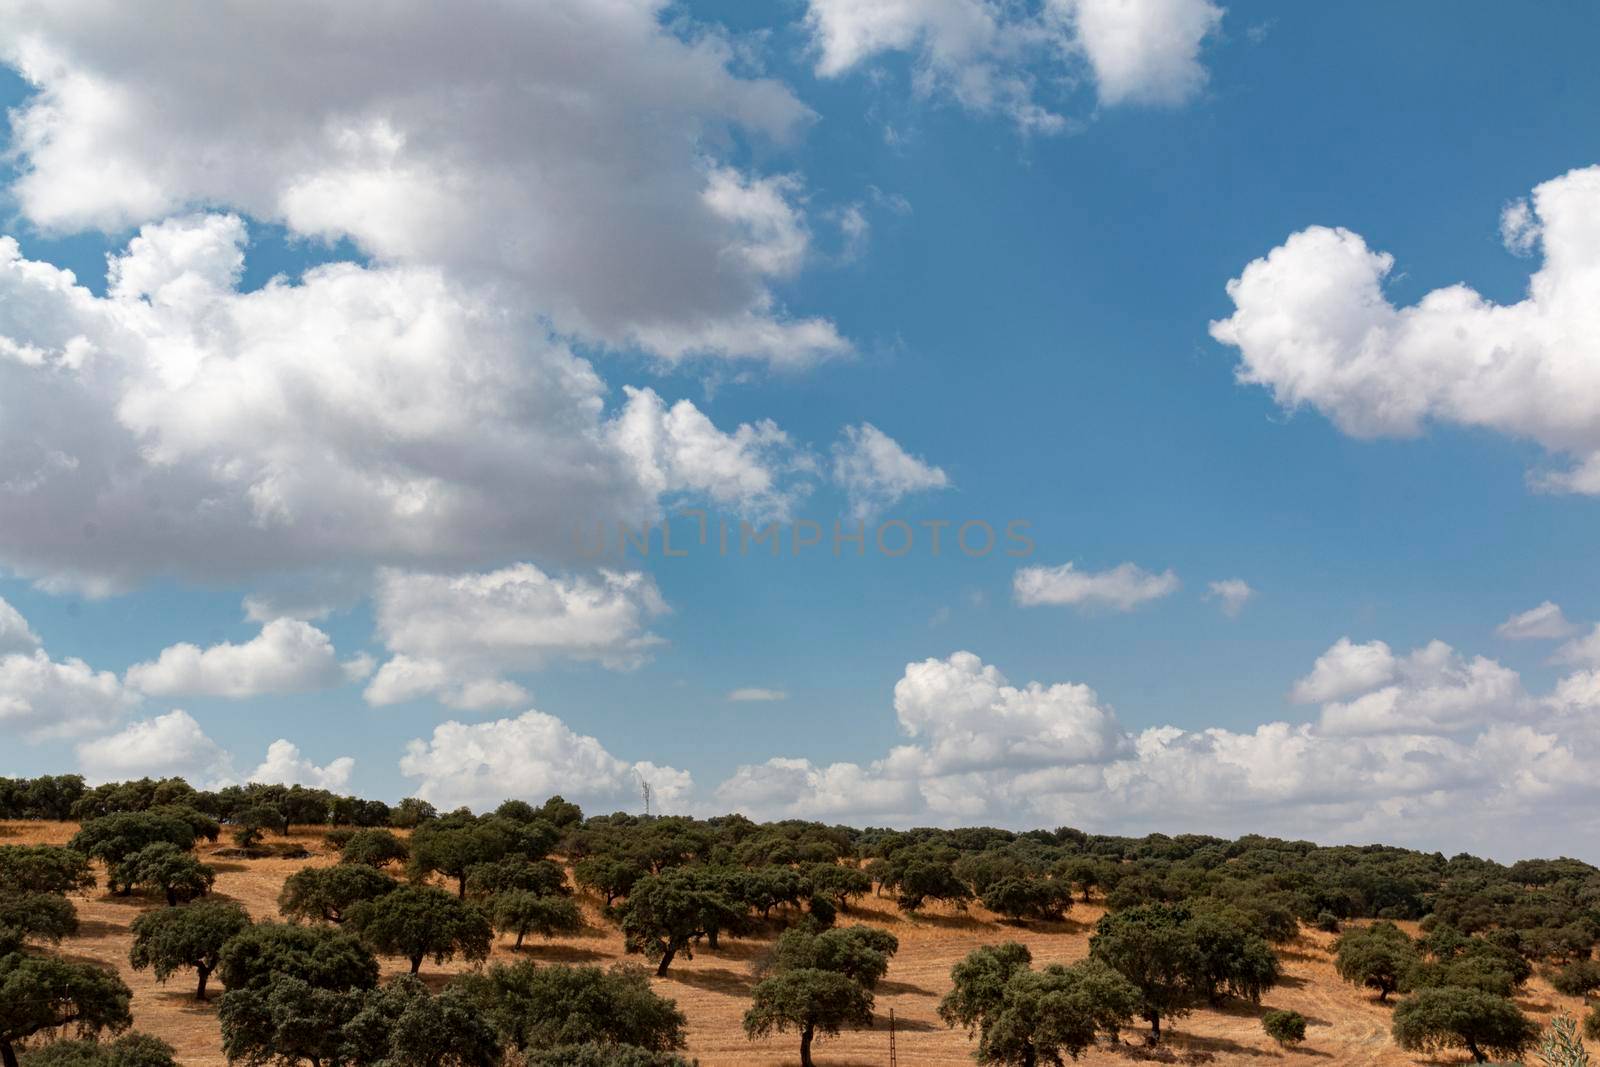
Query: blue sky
pixel 1023 310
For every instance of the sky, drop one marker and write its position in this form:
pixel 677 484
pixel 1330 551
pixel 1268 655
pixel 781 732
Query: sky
pixel 1240 357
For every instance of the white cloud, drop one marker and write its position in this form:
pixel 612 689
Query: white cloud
pixel 999 58
pixel 167 745
pixel 1583 651
pixel 495 141
pixel 1313 325
pixel 15 633
pixel 287 656
pixel 1123 587
pixel 363 415
pixel 41 698
pixel 1346 668
pixel 677 450
pixel 531 756
pixel 757 695
pixel 1512 785
pixel 1543 623
pixel 1519 229
pixel 1144 51
pixel 876 473
pixel 1434 691
pixel 1231 595
pixel 452 636
pixel 284 765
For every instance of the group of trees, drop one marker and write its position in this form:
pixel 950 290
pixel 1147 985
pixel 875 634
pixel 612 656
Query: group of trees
pixel 1458 987
pixel 1191 919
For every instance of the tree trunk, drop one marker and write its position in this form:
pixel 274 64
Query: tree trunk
pixel 1477 1054
pixel 172 897
pixel 8 1055
pixel 461 887
pixel 204 972
pixel 519 938
pixel 711 939
pixel 1155 1027
pixel 805 1046
pixel 416 964
pixel 666 961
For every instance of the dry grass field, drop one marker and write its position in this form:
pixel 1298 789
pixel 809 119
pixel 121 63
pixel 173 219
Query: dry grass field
pixel 1347 1025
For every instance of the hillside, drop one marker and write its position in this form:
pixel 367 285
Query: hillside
pixel 1347 1025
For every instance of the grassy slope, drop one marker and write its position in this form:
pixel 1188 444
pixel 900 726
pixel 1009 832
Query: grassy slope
pixel 1348 1027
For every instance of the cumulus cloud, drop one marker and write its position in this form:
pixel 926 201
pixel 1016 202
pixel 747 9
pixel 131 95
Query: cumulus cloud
pixel 998 58
pixel 755 695
pixel 1543 623
pixel 167 745
pixel 493 141
pixel 1583 651
pixel 15 633
pixel 1313 325
pixel 1144 51
pixel 1123 587
pixel 41 698
pixel 876 473
pixel 531 756
pixel 284 765
pixel 453 635
pixel 1434 690
pixel 287 656
pixel 677 451
pixel 1231 595
pixel 1345 669
pixel 1510 785
pixel 363 415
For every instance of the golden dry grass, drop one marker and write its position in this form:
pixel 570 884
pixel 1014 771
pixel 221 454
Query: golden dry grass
pixel 1347 1025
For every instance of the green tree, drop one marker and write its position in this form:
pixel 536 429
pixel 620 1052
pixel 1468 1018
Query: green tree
pixel 522 913
pixel 1287 1028
pixel 516 874
pixel 250 823
pixel 1580 978
pixel 1024 1017
pixel 29 915
pixel 667 912
pixel 1027 898
pixel 1150 945
pixel 1435 1019
pixel 288 1021
pixel 170 870
pixel 417 922
pixel 374 848
pixel 1377 956
pixel 809 1001
pixel 1231 960
pixel 402 1024
pixel 129 1050
pixel 328 893
pixel 43 869
pixel 860 953
pixel 838 884
pixel 41 994
pixel 543 1008
pixel 607 875
pixel 112 839
pixel 189 936
pixel 323 957
pixel 930 879
pixel 978 984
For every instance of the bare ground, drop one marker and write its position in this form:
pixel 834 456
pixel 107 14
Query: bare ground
pixel 1347 1025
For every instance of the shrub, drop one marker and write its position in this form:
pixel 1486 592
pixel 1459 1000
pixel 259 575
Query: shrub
pixel 1287 1028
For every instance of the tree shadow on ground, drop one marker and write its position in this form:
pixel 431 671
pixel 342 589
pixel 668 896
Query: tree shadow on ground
pixel 557 953
pixel 715 980
pixel 889 987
